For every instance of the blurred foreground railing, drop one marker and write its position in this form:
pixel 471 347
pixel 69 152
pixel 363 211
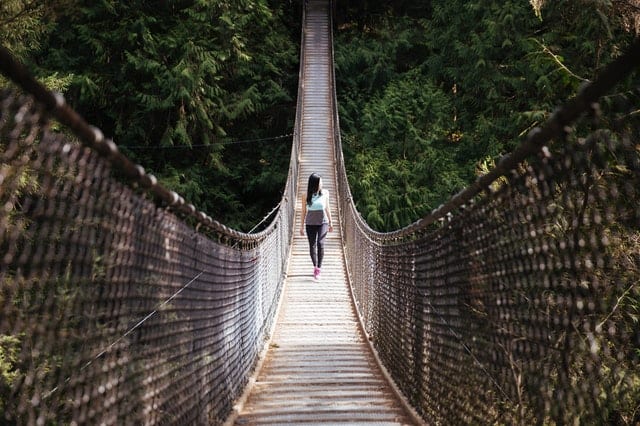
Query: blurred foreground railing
pixel 119 302
pixel 518 302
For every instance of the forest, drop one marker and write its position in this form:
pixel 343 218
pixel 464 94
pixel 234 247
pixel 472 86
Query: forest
pixel 202 93
pixel 431 94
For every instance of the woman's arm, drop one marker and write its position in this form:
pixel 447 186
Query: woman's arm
pixel 327 211
pixel 304 215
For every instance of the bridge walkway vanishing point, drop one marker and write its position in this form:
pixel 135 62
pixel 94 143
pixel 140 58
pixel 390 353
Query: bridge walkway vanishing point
pixel 319 366
pixel 513 305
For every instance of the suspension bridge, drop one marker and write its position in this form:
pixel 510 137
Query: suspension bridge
pixel 514 303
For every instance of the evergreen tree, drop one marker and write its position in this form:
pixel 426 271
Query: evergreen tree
pixel 169 80
pixel 23 25
pixel 501 68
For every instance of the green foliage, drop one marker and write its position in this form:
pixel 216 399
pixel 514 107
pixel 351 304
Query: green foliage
pixel 9 373
pixel 142 76
pixel 367 62
pixel 9 351
pixel 499 69
pixel 23 25
pixel 174 82
pixel 404 156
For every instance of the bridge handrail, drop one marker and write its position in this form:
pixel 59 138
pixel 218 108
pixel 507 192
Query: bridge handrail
pixel 94 138
pixel 535 140
pixel 144 309
pixel 510 304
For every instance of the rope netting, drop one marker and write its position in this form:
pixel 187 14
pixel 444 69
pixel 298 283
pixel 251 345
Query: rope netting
pixel 119 302
pixel 518 302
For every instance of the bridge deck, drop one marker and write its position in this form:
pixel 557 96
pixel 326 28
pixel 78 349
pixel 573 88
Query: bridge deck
pixel 319 367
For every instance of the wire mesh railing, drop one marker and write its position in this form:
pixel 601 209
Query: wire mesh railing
pixel 119 302
pixel 518 301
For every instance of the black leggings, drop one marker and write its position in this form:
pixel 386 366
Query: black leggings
pixel 316 235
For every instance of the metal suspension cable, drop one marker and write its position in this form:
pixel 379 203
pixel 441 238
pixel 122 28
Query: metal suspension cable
pixel 129 331
pixel 471 354
pixel 213 145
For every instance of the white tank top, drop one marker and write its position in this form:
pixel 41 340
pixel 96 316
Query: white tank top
pixel 315 211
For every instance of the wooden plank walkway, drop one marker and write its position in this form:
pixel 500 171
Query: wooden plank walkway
pixel 319 368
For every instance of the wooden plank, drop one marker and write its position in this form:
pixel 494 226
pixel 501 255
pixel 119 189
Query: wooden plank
pixel 319 367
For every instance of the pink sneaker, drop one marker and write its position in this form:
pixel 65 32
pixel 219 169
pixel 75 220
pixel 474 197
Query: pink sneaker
pixel 316 273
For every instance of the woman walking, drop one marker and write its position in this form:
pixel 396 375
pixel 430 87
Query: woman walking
pixel 316 220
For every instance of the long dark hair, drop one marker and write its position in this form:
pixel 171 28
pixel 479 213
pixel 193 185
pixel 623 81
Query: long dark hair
pixel 313 186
